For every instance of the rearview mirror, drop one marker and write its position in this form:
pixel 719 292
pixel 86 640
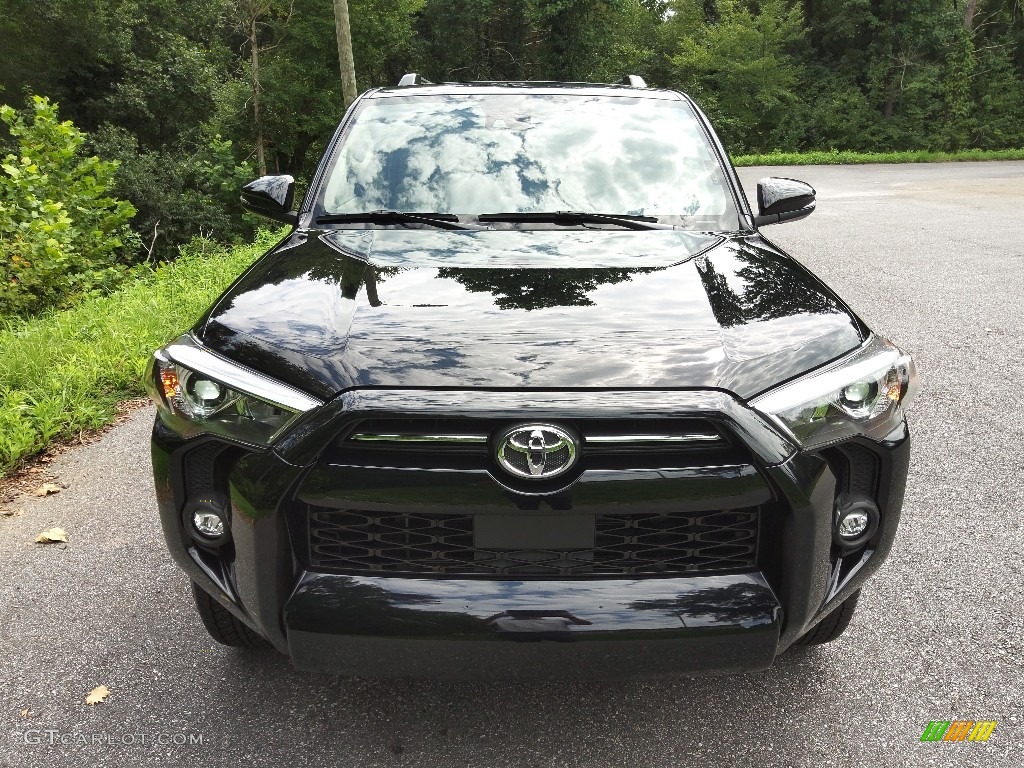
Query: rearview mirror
pixel 271 196
pixel 781 200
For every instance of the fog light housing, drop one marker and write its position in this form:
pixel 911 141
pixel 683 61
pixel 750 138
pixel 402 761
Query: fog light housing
pixel 856 520
pixel 207 522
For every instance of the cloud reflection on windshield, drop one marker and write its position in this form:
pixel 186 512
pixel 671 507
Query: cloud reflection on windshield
pixel 500 153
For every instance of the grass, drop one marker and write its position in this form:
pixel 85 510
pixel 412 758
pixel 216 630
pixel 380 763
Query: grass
pixel 66 372
pixel 836 157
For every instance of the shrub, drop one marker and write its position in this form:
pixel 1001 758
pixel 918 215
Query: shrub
pixel 179 193
pixel 61 234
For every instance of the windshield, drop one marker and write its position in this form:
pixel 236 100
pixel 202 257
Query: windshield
pixel 472 154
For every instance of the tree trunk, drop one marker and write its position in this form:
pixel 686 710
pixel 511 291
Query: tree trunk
pixel 972 5
pixel 348 66
pixel 261 159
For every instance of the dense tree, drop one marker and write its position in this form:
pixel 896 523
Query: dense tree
pixel 744 68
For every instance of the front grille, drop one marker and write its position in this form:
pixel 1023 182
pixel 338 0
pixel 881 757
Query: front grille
pixel 356 541
pixel 466 443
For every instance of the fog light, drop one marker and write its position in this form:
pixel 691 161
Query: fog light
pixel 853 524
pixel 208 523
pixel 856 520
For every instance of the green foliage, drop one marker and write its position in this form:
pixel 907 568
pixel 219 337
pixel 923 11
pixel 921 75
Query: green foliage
pixel 61 234
pixel 151 66
pixel 66 372
pixel 179 194
pixel 299 84
pixel 382 38
pixel 957 87
pixel 907 74
pixel 577 34
pixel 878 75
pixel 998 100
pixel 490 42
pixel 144 93
pixel 838 157
pixel 743 68
pixel 569 40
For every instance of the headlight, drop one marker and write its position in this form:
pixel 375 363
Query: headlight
pixel 864 393
pixel 199 392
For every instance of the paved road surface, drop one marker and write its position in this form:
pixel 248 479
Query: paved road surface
pixel 931 255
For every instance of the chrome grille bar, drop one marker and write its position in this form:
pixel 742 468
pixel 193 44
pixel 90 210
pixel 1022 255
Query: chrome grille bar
pixel 418 438
pixel 654 439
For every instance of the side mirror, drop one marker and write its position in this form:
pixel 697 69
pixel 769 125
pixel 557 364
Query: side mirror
pixel 781 200
pixel 271 196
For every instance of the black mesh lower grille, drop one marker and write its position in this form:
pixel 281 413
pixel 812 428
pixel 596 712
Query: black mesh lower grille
pixel 856 468
pixel 625 544
pixel 201 467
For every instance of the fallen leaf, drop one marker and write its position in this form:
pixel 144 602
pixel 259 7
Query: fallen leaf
pixel 26 713
pixel 51 536
pixel 47 488
pixel 97 695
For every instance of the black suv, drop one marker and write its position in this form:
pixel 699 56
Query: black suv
pixel 524 392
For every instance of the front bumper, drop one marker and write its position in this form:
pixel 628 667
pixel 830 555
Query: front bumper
pixel 507 627
pixel 535 629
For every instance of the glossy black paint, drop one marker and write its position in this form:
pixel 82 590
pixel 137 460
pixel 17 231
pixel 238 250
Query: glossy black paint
pixel 780 200
pixel 327 311
pixel 537 629
pixel 271 196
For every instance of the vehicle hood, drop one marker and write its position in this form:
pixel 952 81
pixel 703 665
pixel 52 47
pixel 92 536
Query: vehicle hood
pixel 327 311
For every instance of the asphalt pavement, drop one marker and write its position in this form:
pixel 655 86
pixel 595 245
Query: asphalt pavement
pixel 930 255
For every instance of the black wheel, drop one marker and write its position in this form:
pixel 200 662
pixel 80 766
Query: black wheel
pixel 222 625
pixel 833 625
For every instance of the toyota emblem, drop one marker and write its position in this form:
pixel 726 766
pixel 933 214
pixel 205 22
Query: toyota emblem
pixel 536 451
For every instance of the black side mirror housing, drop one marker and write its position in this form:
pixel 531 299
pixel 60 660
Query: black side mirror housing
pixel 271 196
pixel 781 200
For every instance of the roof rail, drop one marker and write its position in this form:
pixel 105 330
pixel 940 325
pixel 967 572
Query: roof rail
pixel 633 81
pixel 413 79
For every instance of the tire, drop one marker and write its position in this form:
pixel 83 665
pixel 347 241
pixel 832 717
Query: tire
pixel 221 623
pixel 833 625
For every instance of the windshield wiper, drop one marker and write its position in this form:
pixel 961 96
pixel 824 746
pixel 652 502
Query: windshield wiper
pixel 580 217
pixel 439 220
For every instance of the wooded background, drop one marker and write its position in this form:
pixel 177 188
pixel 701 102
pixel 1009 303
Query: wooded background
pixel 194 97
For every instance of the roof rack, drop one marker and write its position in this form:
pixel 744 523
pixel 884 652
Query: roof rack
pixel 414 79
pixel 633 81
